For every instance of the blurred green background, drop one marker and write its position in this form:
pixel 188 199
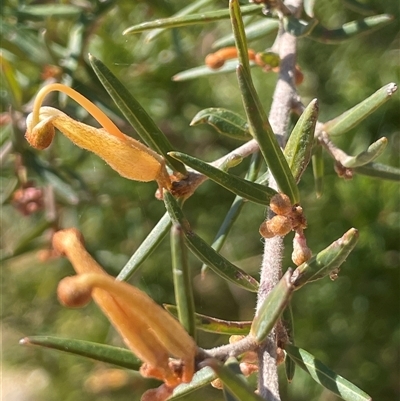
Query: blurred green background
pixel 351 324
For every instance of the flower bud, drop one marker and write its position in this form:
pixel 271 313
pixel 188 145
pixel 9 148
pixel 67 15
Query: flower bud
pixel 278 225
pixel 301 252
pixel 281 204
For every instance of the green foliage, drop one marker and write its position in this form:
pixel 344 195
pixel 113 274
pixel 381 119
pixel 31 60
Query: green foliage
pixel 350 324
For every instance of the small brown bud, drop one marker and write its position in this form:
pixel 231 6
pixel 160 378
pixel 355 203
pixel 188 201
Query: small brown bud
pixel 265 231
pixel 278 225
pixel 280 204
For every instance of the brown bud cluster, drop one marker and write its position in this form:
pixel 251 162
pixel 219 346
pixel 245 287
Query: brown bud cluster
pixel 288 217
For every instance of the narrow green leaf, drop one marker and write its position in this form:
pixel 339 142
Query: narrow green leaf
pixel 378 170
pixel 233 379
pixel 358 7
pixel 272 308
pixel 249 190
pixel 71 57
pixel 233 365
pixel 325 376
pixel 318 169
pixel 146 248
pixel 51 176
pixel 49 10
pixel 26 41
pixel 298 149
pixel 367 156
pixel 239 34
pixel 226 122
pixel 356 114
pixel 186 20
pixel 205 253
pixel 27 239
pixel 309 7
pixel 182 281
pixel 349 30
pixel 193 7
pixel 10 81
pixel 200 379
pixel 287 319
pixel 298 27
pixel 60 186
pixel 326 262
pixel 135 114
pixel 253 32
pixel 214 325
pixel 261 129
pixel 100 352
pixel 8 189
pixel 235 209
pixel 204 71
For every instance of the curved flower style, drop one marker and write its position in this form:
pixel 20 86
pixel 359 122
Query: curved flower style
pixel 130 158
pixel 147 329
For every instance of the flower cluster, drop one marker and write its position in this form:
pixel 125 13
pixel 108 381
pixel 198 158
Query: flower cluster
pixel 148 330
pixel 287 217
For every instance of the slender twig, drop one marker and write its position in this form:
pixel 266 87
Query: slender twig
pixel 271 269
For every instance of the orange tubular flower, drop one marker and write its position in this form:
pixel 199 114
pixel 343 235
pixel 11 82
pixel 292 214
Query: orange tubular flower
pixel 147 329
pixel 130 158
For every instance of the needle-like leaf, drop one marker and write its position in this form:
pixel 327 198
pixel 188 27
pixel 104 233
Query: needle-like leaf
pixel 249 190
pixel 326 262
pixel 271 309
pixel 261 129
pixel 100 352
pixel 325 376
pixel 186 20
pixel 350 29
pixel 206 253
pixel 214 325
pixel 356 114
pixel 226 122
pixel 135 114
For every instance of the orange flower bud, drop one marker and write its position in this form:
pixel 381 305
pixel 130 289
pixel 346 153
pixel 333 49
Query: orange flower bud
pixel 217 60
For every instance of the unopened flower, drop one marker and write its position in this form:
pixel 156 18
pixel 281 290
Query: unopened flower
pixel 147 329
pixel 130 158
pixel 301 252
